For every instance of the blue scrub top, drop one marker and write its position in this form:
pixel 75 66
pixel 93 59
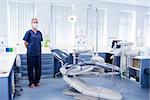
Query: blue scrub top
pixel 34 42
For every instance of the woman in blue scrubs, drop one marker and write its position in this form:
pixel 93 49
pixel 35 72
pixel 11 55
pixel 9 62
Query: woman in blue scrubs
pixel 32 41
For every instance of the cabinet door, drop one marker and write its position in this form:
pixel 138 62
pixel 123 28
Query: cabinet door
pixel 4 91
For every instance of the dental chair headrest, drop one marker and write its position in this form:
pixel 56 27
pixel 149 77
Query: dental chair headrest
pixel 18 61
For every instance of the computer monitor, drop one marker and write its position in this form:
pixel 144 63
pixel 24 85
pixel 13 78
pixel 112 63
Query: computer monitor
pixel 115 42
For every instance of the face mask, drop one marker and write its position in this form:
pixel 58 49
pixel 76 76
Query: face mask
pixel 35 25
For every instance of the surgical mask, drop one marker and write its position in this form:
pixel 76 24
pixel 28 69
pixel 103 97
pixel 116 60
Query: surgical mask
pixel 35 25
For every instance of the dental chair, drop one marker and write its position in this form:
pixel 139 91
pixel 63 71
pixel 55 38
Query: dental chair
pixel 71 73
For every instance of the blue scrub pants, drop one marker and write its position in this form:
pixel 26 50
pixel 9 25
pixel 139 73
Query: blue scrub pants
pixel 34 68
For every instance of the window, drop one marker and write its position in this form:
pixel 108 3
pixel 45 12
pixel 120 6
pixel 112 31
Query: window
pixel 3 24
pixel 19 19
pixel 61 34
pixel 92 27
pixel 147 30
pixel 127 26
pixel 139 38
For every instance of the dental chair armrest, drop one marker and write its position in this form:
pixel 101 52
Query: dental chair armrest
pixel 82 60
pixel 62 63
